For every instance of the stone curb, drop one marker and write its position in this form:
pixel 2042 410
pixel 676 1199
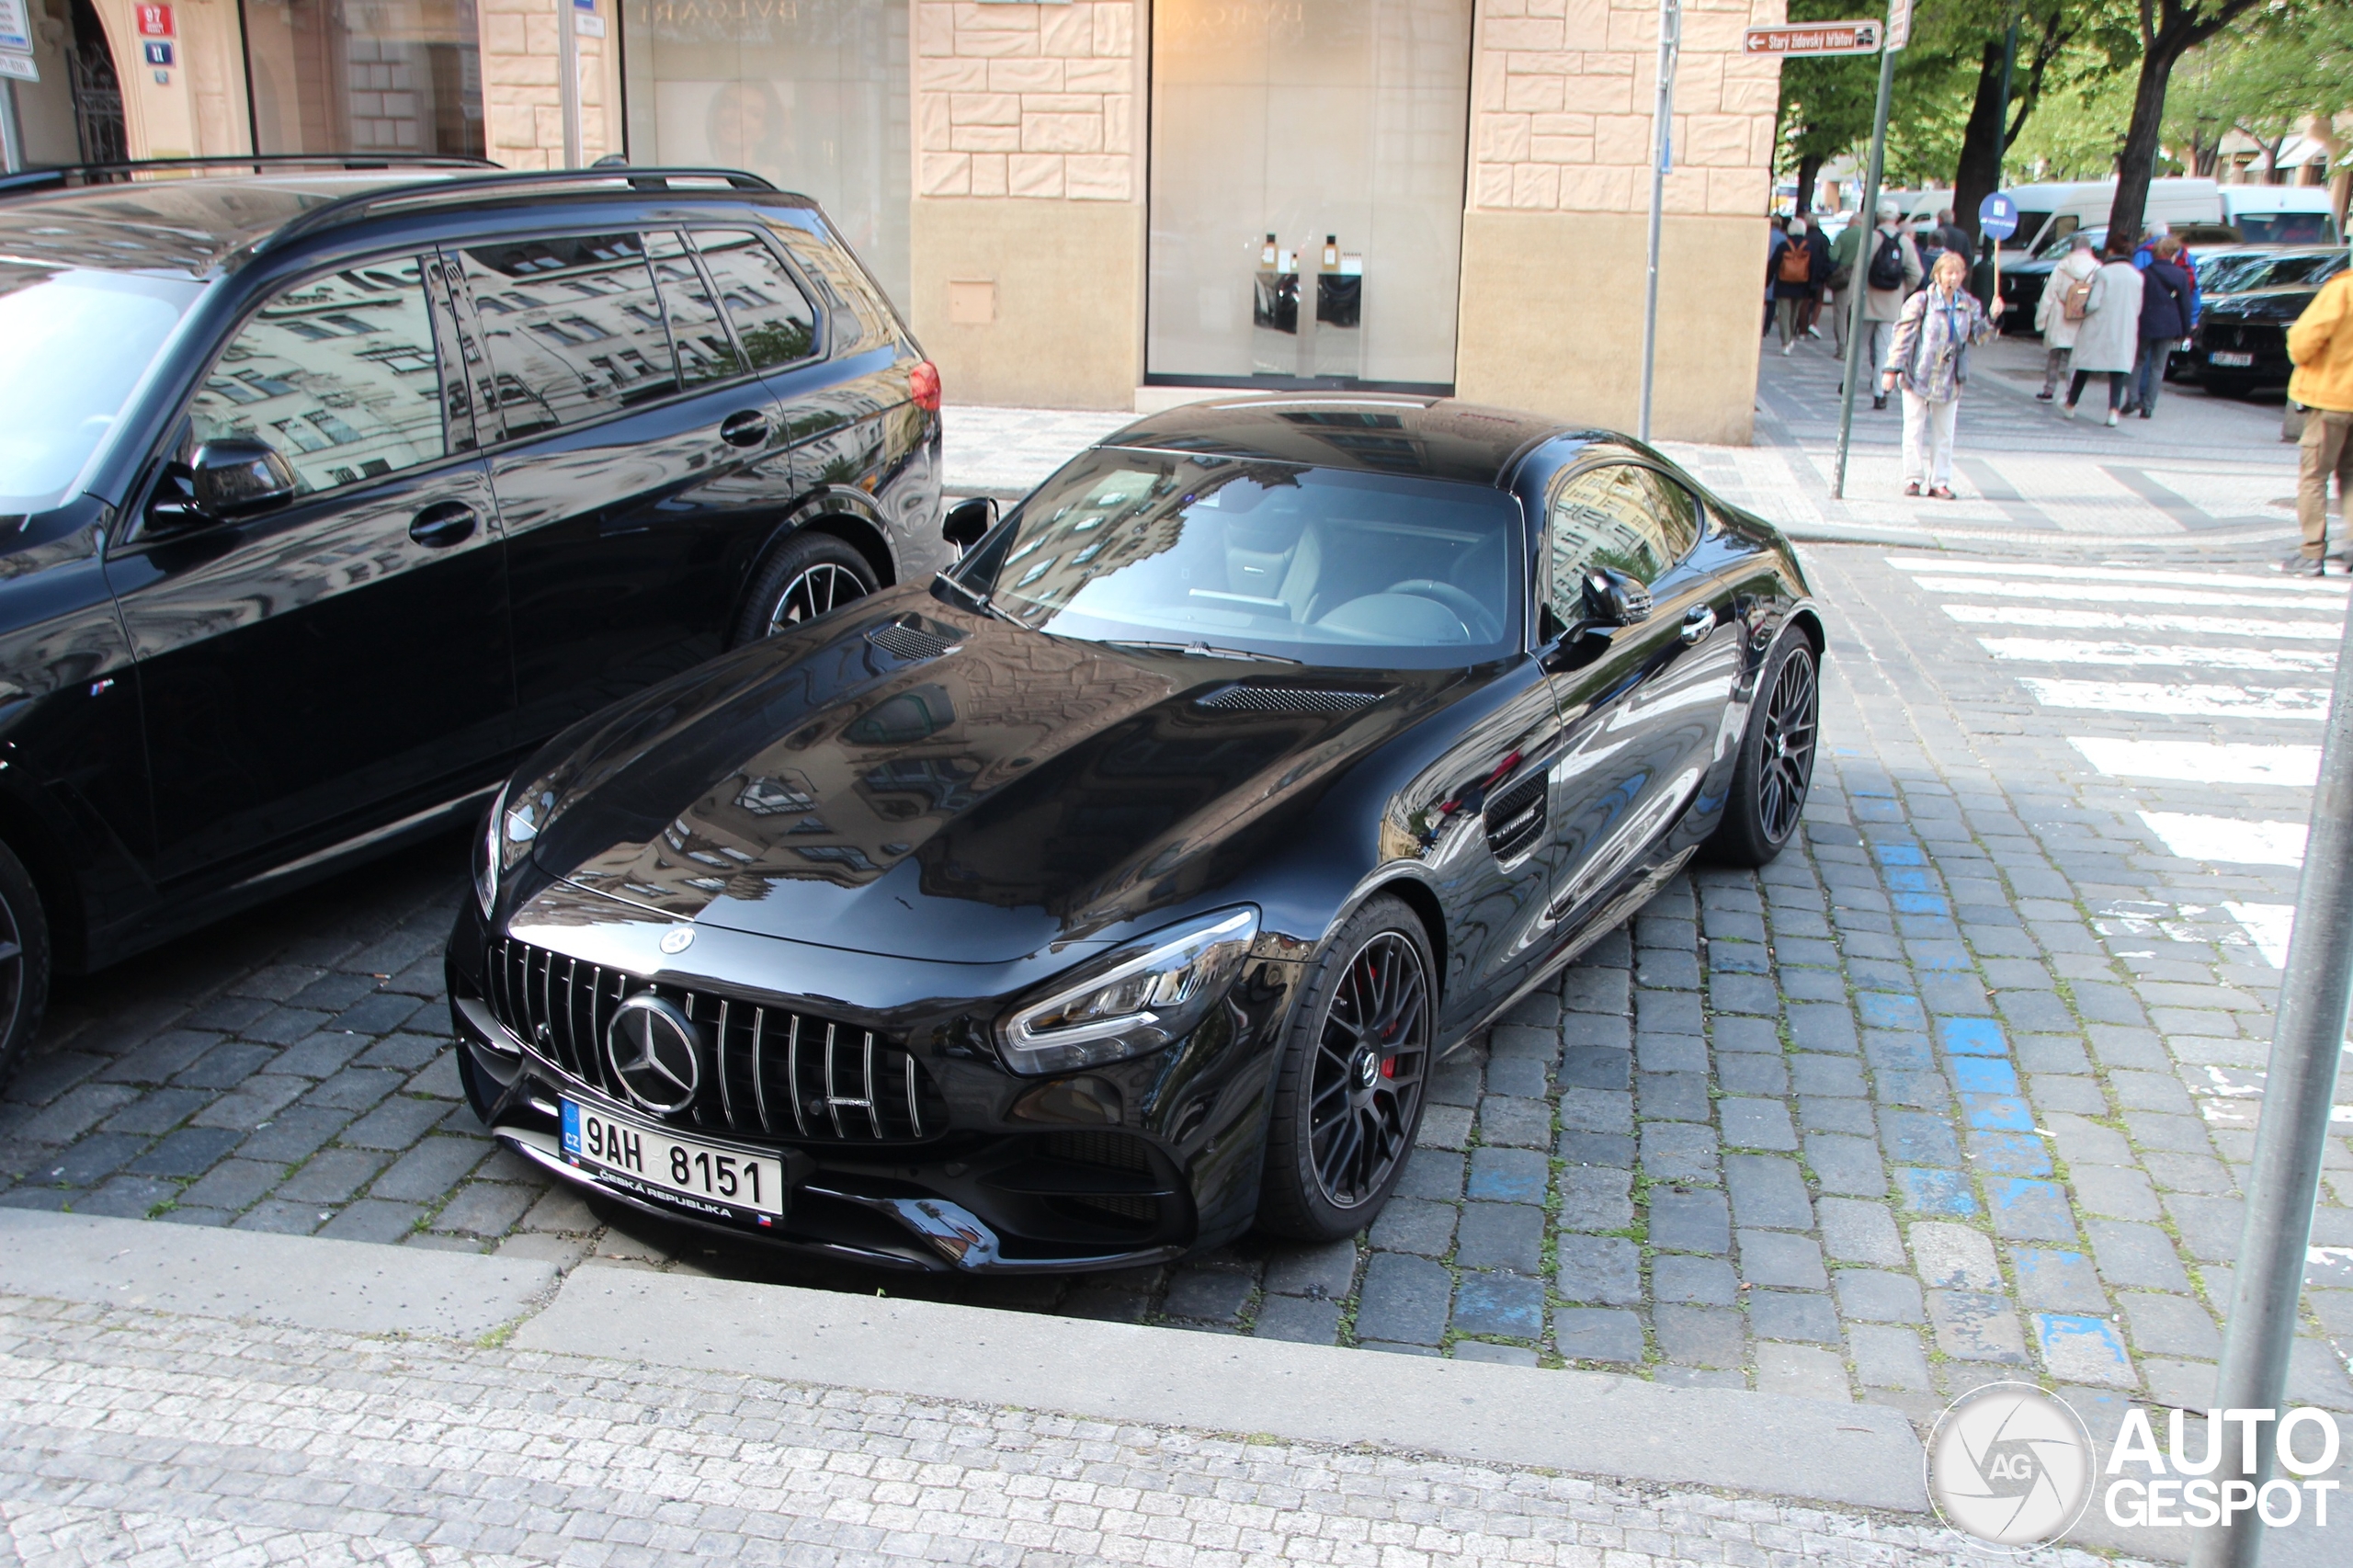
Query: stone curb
pixel 1584 1422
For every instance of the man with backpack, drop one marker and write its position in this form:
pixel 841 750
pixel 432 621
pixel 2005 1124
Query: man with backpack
pixel 1798 271
pixel 1891 271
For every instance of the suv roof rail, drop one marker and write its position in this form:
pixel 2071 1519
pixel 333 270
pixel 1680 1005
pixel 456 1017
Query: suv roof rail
pixel 615 177
pixel 67 176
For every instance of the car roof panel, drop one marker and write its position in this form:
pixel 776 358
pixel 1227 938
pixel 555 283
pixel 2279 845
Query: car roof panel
pixel 1430 437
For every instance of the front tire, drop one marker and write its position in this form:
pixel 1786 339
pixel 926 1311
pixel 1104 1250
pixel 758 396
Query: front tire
pixel 24 962
pixel 1348 1094
pixel 1776 766
pixel 811 576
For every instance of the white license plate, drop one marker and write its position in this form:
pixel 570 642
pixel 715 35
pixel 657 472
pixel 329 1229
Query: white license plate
pixel 635 1155
pixel 2221 358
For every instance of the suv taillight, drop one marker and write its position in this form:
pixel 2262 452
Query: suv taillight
pixel 923 384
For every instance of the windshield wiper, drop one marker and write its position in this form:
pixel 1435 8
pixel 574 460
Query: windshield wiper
pixel 1197 650
pixel 973 598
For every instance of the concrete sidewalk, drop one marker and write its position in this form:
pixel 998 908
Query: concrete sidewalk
pixel 2207 477
pixel 172 1395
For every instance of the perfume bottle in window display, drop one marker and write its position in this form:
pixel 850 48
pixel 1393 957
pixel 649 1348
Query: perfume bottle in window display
pixel 1339 313
pixel 1274 313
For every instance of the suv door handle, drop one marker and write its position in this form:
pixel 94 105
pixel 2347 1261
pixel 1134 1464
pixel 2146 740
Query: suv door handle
pixel 442 525
pixel 1697 623
pixel 748 428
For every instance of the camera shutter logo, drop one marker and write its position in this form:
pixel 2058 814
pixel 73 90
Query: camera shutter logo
pixel 2010 1465
pixel 656 1053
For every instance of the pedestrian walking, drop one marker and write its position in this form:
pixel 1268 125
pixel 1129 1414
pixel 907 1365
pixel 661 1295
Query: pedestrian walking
pixel 1929 361
pixel 1776 240
pixel 1890 268
pixel 1818 244
pixel 2166 291
pixel 1842 251
pixel 2108 340
pixel 2321 344
pixel 2057 315
pixel 1793 283
pixel 1951 235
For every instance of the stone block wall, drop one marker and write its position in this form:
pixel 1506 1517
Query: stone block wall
pixel 522 67
pixel 1562 93
pixel 1037 101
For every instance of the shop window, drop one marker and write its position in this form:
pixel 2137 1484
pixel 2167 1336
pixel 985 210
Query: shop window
pixel 365 77
pixel 772 315
pixel 574 328
pixel 337 373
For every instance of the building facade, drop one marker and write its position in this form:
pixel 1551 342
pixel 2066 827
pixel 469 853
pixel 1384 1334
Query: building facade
pixel 1078 203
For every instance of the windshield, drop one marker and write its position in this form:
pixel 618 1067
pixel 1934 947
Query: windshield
pixel 1326 566
pixel 2064 243
pixel 2286 228
pixel 73 344
pixel 2029 228
pixel 2282 271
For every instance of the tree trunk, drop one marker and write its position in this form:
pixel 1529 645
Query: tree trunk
pixel 2138 162
pixel 1809 173
pixel 1979 172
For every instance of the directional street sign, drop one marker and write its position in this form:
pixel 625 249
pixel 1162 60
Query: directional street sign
pixel 1899 23
pixel 1813 37
pixel 1997 217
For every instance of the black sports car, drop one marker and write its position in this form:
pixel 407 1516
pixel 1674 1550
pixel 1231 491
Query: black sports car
pixel 1117 889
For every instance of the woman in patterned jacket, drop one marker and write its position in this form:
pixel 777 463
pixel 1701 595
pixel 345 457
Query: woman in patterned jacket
pixel 1929 360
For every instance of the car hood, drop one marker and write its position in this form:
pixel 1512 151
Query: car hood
pixel 915 781
pixel 2284 303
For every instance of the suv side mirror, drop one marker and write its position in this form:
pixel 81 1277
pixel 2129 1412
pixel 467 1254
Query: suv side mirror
pixel 1613 598
pixel 968 522
pixel 236 478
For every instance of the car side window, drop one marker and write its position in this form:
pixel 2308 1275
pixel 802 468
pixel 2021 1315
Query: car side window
pixel 337 373
pixel 773 319
pixel 1618 514
pixel 706 353
pixel 574 325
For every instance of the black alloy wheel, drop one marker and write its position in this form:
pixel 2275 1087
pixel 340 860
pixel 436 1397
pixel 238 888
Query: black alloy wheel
pixel 811 576
pixel 1349 1099
pixel 24 962
pixel 1776 767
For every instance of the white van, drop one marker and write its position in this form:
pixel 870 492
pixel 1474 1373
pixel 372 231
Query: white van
pixel 2280 214
pixel 2052 211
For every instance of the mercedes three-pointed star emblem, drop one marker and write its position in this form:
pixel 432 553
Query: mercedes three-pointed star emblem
pixel 656 1052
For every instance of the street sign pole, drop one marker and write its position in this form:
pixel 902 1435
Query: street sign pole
pixel 2292 1132
pixel 1670 38
pixel 568 61
pixel 12 152
pixel 1899 28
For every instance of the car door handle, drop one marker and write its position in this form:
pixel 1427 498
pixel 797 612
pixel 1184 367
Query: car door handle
pixel 442 525
pixel 1698 624
pixel 748 428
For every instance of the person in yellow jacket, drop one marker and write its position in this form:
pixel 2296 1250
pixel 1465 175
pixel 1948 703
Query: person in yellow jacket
pixel 2321 342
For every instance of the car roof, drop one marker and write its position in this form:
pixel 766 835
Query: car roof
pixel 195 223
pixel 1427 437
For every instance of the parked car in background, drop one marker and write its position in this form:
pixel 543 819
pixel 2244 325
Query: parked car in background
pixel 2023 281
pixel 2241 343
pixel 1121 889
pixel 2265 214
pixel 329 493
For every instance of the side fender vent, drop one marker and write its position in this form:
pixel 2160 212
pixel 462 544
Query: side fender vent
pixel 1244 699
pixel 911 644
pixel 1514 819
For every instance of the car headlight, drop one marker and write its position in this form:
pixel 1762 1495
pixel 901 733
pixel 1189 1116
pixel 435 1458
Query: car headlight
pixel 1132 1001
pixel 508 834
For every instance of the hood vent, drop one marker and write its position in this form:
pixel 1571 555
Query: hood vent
pixel 1288 699
pixel 911 644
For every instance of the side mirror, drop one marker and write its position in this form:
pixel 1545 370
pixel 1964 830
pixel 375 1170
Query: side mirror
pixel 968 522
pixel 1613 598
pixel 236 478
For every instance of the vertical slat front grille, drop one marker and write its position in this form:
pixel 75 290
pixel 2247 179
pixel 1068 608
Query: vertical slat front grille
pixel 768 1072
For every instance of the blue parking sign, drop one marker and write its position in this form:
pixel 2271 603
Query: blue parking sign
pixel 1997 217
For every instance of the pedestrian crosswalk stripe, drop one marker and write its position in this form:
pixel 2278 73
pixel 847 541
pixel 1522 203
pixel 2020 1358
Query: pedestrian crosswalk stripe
pixel 2201 762
pixel 2052 620
pixel 2016 588
pixel 2195 837
pixel 2273 587
pixel 2267 926
pixel 2060 651
pixel 2306 703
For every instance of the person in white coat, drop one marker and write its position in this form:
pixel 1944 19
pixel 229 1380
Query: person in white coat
pixel 2051 317
pixel 2108 337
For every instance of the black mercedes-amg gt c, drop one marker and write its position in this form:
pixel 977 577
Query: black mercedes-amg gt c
pixel 1117 890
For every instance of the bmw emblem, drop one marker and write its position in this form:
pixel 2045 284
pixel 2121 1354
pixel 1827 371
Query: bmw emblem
pixel 656 1052
pixel 678 940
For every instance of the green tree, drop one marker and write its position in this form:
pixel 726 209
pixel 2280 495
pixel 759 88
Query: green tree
pixel 1826 102
pixel 2267 80
pixel 2169 29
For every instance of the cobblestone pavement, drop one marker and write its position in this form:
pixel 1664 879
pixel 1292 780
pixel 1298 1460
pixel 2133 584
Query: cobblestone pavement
pixel 1963 1084
pixel 130 1438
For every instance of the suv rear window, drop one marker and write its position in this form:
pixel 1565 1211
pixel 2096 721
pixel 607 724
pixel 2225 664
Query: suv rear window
pixel 574 325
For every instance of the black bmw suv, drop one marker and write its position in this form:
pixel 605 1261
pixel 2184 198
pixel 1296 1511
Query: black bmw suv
pixel 329 491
